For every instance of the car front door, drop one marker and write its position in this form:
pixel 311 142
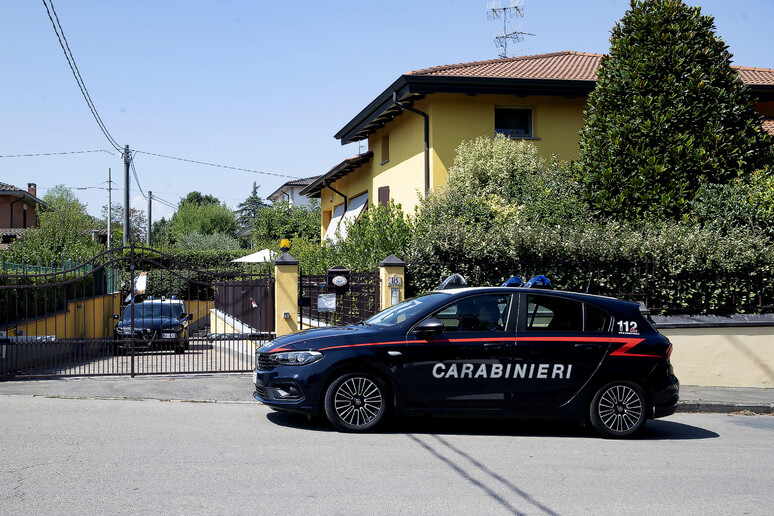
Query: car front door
pixel 462 365
pixel 560 343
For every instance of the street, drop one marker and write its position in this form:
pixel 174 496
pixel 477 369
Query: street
pixel 128 456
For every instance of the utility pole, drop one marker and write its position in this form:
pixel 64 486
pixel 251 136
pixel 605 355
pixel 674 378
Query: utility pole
pixel 127 163
pixel 148 233
pixel 110 212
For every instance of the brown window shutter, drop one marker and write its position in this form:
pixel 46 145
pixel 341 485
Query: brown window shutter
pixel 384 196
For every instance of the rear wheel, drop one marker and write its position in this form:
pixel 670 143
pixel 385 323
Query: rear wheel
pixel 357 402
pixel 618 409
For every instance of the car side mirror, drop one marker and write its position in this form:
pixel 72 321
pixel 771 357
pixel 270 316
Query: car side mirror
pixel 429 326
pixel 183 315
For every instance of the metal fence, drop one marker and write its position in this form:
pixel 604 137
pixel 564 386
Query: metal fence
pixel 66 323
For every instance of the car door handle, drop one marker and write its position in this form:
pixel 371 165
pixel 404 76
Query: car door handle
pixel 494 345
pixel 588 346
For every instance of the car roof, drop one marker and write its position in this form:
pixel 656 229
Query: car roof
pixel 581 296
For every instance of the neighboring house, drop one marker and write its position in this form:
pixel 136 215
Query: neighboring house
pixel 18 211
pixel 414 126
pixel 291 192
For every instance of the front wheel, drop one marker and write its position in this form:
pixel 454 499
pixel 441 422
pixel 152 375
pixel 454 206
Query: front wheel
pixel 356 402
pixel 618 409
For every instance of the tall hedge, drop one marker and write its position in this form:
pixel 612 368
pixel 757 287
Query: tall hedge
pixel 668 114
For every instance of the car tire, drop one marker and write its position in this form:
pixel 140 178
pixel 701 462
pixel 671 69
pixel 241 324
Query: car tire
pixel 180 348
pixel 619 409
pixel 357 402
pixel 118 350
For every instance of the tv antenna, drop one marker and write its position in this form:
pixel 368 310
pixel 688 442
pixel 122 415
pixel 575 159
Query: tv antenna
pixel 496 11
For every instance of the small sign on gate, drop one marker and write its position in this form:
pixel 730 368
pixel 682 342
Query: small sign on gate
pixel 326 303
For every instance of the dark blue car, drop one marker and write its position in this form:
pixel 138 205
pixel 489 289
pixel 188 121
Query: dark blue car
pixel 159 324
pixel 489 352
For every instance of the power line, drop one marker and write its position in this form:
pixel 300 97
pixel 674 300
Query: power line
pixel 53 153
pixel 76 73
pixel 216 165
pixel 137 180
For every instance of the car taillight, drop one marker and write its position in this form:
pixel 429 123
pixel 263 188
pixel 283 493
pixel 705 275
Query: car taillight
pixel 669 352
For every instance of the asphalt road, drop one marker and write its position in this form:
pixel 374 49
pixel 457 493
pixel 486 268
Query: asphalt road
pixel 146 456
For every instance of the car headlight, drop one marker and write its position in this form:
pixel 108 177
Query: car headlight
pixel 295 358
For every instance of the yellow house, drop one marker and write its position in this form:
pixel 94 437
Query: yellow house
pixel 415 125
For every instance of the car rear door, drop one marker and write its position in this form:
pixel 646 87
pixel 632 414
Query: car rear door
pixel 464 366
pixel 560 344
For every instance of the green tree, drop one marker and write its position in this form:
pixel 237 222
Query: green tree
pixel 198 199
pixel 247 211
pixel 668 114
pixel 138 223
pixel 206 219
pixel 63 232
pixel 161 235
pixel 282 220
pixel 379 232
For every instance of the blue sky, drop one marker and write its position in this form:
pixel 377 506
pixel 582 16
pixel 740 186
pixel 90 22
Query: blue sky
pixel 258 85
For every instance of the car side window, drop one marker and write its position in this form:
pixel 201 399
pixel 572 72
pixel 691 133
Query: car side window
pixel 596 319
pixel 477 313
pixel 553 313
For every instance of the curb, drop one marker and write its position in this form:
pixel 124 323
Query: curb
pixel 723 407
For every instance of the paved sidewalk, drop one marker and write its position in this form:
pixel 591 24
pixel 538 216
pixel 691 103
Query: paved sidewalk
pixel 238 388
pixel 694 398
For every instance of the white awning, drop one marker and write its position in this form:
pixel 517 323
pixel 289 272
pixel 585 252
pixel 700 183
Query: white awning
pixel 333 225
pixel 264 255
pixel 343 221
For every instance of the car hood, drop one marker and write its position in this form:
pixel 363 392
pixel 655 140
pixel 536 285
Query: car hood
pixel 151 323
pixel 321 338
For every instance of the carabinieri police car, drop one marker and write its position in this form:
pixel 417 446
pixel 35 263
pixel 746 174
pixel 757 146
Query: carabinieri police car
pixel 488 351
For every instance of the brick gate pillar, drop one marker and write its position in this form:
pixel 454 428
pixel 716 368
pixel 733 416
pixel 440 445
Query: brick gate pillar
pixel 392 281
pixel 285 295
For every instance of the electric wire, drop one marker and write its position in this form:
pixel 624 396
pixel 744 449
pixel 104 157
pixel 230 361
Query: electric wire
pixel 53 153
pixel 76 73
pixel 217 165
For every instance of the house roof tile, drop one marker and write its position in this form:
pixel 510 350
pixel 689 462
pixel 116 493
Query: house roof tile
pixel 5 187
pixel 566 65
pixel 768 125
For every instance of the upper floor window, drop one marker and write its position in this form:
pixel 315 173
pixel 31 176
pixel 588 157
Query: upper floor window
pixel 514 122
pixel 385 149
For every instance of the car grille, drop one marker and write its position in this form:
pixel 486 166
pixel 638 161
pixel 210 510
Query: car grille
pixel 266 362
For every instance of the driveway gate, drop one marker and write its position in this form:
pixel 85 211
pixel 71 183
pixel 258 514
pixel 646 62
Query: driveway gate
pixel 64 322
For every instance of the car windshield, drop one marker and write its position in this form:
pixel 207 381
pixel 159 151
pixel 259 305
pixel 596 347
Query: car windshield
pixel 406 310
pixel 148 310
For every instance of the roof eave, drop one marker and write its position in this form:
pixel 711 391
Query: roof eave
pixel 23 194
pixel 408 85
pixel 315 189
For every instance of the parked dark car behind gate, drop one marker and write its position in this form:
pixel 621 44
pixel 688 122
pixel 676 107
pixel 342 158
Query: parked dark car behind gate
pixel 158 324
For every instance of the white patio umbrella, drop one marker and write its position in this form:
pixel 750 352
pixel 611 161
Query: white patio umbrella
pixel 264 255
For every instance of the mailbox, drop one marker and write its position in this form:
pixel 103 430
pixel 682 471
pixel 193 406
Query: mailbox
pixel 338 278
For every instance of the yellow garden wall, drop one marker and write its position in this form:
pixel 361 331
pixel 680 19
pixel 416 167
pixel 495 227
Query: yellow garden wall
pixel 727 356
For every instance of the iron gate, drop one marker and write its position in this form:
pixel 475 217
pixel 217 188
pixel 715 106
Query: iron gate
pixel 84 321
pixel 323 304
